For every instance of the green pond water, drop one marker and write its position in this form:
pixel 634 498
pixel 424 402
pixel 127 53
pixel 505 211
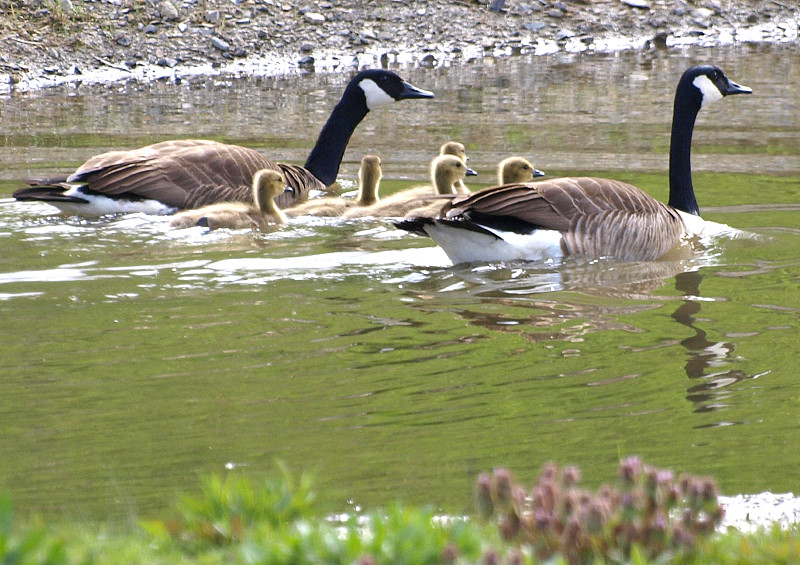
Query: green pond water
pixel 136 359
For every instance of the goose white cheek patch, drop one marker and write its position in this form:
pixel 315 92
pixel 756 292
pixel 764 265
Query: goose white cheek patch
pixel 376 96
pixel 709 90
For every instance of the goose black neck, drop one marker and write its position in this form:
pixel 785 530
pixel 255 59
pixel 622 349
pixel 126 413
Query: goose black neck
pixel 681 192
pixel 326 156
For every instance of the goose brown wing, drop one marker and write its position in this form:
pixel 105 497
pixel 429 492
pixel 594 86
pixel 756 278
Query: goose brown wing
pixel 597 217
pixel 188 173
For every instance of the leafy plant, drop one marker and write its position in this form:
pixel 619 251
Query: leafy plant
pixel 647 514
pixel 230 507
pixel 32 546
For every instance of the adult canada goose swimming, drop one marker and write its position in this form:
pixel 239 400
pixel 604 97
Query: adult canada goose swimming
pixel 445 171
pixel 267 185
pixel 458 149
pixel 589 217
pixel 516 169
pixel 189 173
pixel 369 178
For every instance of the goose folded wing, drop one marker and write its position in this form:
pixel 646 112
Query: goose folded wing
pixel 597 217
pixel 188 174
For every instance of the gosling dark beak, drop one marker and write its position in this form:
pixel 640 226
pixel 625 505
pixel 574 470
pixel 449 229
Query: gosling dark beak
pixel 538 173
pixel 471 173
pixel 411 91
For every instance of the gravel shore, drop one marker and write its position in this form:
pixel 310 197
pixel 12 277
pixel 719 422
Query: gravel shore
pixel 49 42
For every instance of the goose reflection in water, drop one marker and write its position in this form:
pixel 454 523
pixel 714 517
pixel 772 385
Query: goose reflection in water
pixel 518 300
pixel 527 287
pixel 709 393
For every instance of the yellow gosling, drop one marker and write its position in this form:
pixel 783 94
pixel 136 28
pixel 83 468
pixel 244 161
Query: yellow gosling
pixel 516 169
pixel 369 178
pixel 445 171
pixel 267 185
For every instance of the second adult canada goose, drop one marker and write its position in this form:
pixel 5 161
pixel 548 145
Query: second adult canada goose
pixel 369 178
pixel 516 169
pixel 586 216
pixel 189 173
pixel 445 171
pixel 458 149
pixel 267 185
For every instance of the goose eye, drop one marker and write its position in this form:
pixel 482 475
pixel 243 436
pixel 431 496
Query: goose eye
pixel 525 167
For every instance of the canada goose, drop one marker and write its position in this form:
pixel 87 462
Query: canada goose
pixel 445 171
pixel 516 169
pixel 458 149
pixel 267 185
pixel 189 173
pixel 589 217
pixel 369 178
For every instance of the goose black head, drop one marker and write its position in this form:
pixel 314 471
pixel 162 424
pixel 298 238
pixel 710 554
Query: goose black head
pixel 384 87
pixel 711 83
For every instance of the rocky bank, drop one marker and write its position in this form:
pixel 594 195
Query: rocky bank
pixel 47 42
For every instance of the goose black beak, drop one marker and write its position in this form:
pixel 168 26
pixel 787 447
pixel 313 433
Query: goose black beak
pixel 471 173
pixel 538 173
pixel 733 88
pixel 410 91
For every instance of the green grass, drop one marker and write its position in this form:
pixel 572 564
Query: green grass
pixel 234 521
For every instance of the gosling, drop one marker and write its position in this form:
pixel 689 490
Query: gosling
pixel 445 171
pixel 369 178
pixel 513 170
pixel 267 184
pixel 458 149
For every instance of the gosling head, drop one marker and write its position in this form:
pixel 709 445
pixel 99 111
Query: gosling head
pixel 457 149
pixel 516 169
pixel 267 184
pixel 446 170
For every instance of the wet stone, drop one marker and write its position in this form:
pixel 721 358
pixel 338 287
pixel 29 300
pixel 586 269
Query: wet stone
pixel 640 4
pixel 220 44
pixel 702 13
pixel 314 18
pixel 534 26
pixel 168 11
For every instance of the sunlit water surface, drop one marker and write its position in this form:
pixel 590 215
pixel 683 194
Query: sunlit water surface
pixel 137 358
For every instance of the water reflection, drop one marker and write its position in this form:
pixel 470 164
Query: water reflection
pixel 710 392
pixel 333 337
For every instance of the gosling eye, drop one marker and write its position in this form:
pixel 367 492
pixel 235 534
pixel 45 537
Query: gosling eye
pixel 525 167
